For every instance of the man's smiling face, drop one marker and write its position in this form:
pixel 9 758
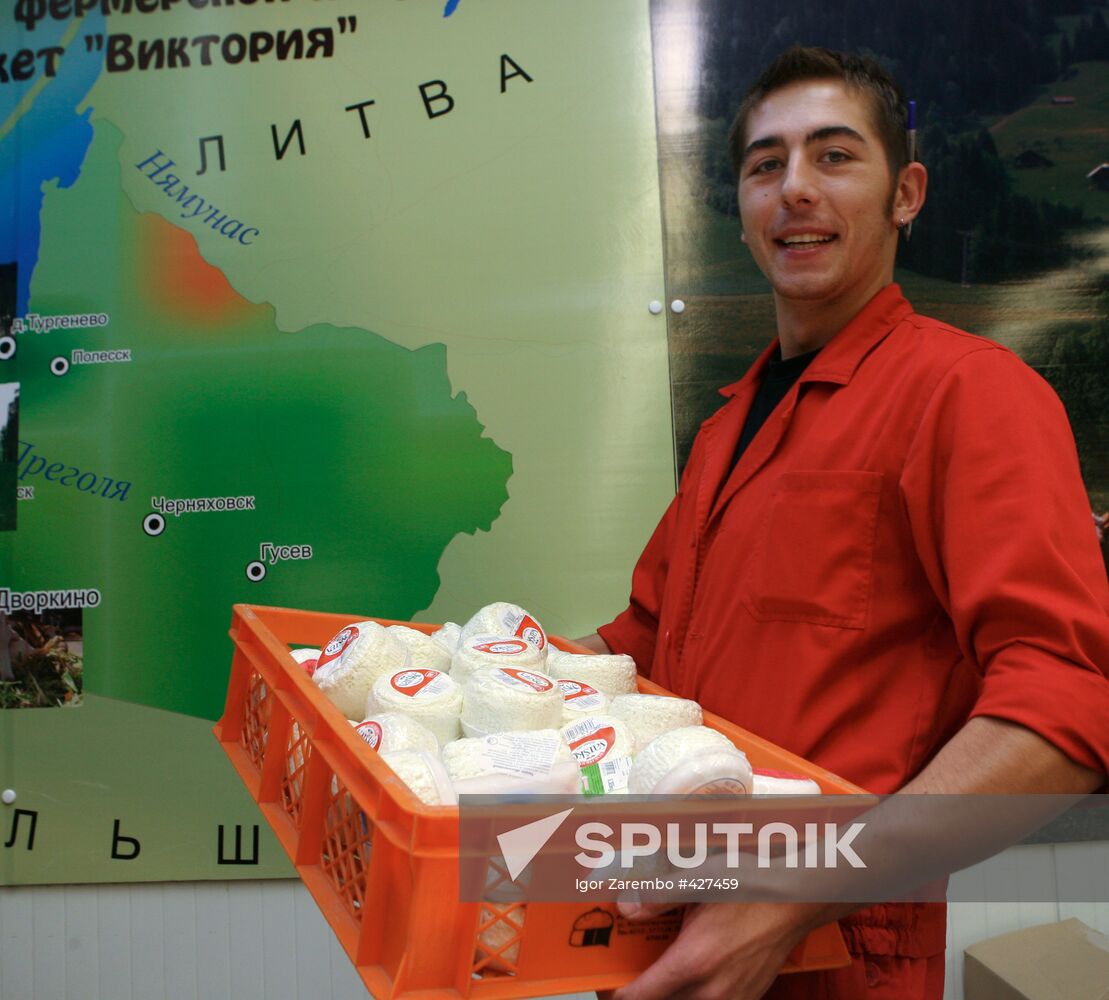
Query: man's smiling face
pixel 816 195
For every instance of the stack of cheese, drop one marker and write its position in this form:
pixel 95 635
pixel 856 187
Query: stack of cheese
pixel 491 706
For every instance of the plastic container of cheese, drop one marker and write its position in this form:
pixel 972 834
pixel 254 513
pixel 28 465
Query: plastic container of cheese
pixel 364 844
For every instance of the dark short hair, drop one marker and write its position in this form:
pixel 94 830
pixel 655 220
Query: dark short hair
pixel 799 63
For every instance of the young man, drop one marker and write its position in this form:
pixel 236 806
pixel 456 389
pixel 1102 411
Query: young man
pixel 880 555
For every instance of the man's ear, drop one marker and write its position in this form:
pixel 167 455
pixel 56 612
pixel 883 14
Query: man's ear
pixel 912 186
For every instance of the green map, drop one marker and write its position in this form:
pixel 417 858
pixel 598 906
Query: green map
pixel 351 317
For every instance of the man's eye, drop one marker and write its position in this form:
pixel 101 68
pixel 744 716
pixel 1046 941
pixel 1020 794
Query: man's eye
pixel 766 166
pixel 836 156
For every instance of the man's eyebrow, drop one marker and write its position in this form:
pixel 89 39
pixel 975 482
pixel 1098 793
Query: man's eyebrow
pixel 817 135
pixel 831 131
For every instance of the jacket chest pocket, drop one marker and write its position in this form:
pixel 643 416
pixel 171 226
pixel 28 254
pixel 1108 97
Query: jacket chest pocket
pixel 813 557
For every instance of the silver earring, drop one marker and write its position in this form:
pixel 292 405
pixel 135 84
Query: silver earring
pixel 901 223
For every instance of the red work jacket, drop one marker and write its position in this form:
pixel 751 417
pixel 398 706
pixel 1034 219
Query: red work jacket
pixel 905 543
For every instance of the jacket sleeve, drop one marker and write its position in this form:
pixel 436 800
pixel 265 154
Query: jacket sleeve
pixel 1002 525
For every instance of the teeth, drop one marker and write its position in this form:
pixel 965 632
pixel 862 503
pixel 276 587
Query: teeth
pixel 807 238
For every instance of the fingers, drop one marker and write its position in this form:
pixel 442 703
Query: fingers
pixel 667 979
pixel 634 909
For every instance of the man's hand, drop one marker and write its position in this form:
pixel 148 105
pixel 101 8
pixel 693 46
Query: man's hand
pixel 724 951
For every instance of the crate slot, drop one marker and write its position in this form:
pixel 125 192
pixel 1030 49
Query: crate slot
pixel 497 945
pixel 297 754
pixel 347 844
pixel 256 719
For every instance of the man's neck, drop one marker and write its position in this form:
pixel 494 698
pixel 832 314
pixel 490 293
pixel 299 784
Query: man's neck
pixel 804 326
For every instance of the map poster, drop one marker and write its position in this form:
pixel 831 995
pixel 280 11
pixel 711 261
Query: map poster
pixel 339 306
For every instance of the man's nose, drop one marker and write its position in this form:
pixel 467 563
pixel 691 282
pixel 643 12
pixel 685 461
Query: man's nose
pixel 799 183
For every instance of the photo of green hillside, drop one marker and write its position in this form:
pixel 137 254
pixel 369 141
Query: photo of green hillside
pixel 1013 243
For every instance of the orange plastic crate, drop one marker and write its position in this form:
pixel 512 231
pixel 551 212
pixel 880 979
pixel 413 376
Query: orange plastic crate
pixel 383 867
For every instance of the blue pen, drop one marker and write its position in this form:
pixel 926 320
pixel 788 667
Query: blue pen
pixel 912 151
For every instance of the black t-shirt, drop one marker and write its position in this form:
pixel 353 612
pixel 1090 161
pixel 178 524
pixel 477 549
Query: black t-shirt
pixel 777 380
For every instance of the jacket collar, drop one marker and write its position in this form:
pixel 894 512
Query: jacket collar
pixel 845 351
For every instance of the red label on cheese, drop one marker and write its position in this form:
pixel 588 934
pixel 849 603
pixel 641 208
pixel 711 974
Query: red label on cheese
pixel 371 733
pixel 537 682
pixel 531 630
pixel 412 682
pixel 334 649
pixel 575 689
pixel 310 666
pixel 503 647
pixel 595 747
pixel 767 772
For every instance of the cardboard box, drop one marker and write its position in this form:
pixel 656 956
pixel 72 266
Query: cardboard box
pixel 1063 961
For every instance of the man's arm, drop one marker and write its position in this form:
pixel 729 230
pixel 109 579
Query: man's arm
pixel 594 643
pixel 737 950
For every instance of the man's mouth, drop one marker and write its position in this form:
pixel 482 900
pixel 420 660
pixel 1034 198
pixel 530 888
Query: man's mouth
pixel 801 241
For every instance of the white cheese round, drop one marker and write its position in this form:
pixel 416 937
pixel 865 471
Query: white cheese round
pixel 693 760
pixel 427 696
pixel 387 732
pixel 651 715
pixel 508 698
pixel 483 651
pixel 424 774
pixel 512 762
pixel 612 673
pixel 506 619
pixel 448 636
pixel 580 700
pixel 767 782
pixel 356 657
pixel 423 649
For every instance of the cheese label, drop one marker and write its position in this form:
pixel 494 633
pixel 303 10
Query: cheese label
pixel 580 697
pixel 519 622
pixel 722 786
pixel 529 629
pixel 594 746
pixel 607 776
pixel 338 645
pixel 370 732
pixel 512 677
pixel 517 753
pixel 416 683
pixel 502 647
pixel 769 772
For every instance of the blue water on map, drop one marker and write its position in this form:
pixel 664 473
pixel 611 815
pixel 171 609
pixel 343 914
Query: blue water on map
pixel 48 143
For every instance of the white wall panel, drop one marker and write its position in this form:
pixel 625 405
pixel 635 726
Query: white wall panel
pixel 279 940
pixel 48 941
pixel 244 912
pixel 148 960
pixel 81 932
pixel 113 924
pixel 213 939
pixel 179 943
pixel 16 932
